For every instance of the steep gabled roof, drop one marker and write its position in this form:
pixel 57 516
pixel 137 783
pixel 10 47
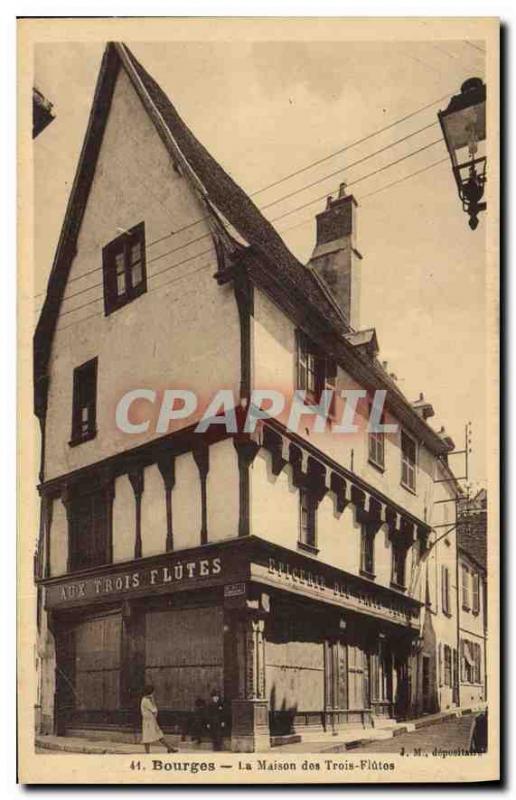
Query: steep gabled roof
pixel 218 192
pixel 212 183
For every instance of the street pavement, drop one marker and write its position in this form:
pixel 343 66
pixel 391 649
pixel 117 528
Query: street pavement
pixel 452 734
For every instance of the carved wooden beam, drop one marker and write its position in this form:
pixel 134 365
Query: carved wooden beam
pixel 201 456
pixel 246 450
pixel 166 465
pixel 136 478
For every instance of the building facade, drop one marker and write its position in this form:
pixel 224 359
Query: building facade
pixel 303 573
pixel 472 564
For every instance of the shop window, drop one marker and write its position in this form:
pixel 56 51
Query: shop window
pixel 475 593
pixel 84 403
pixel 465 588
pixel 367 551
pixel 399 560
pixel 307 519
pixel 315 371
pixel 123 262
pixel 408 461
pixel 88 529
pixel 445 590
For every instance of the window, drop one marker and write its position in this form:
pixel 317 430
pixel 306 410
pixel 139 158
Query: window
pixel 367 551
pixel 445 589
pixel 88 529
pixel 123 262
pixel 408 461
pixel 475 593
pixel 440 664
pixel 307 519
pixel 315 371
pixel 447 665
pixel 399 558
pixel 471 661
pixel 377 444
pixel 84 410
pixel 465 588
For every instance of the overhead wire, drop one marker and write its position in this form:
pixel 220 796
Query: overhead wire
pixel 299 171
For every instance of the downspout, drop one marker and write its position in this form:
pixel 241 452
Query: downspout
pixel 457 593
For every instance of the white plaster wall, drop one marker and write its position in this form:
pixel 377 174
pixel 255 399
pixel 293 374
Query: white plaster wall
pixel 223 491
pixel 154 513
pixel 124 520
pixel 275 367
pixel 275 517
pixel 186 503
pixel 274 506
pixel 383 557
pixel 183 332
pixel 58 539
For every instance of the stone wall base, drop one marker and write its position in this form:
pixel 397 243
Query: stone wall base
pixel 250 726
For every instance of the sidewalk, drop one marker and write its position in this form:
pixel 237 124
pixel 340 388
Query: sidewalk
pixel 344 740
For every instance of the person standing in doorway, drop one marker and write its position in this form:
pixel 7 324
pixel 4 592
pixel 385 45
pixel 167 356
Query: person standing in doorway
pixel 215 719
pixel 151 732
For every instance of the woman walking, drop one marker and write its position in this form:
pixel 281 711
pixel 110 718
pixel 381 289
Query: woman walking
pixel 151 732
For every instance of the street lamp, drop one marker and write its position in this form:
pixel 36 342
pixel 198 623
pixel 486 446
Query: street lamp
pixel 464 125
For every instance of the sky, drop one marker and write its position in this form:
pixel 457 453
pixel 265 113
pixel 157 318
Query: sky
pixel 267 109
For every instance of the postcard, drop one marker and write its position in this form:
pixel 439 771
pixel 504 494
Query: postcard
pixel 258 385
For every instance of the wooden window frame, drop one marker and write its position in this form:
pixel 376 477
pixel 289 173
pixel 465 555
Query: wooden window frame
pixel 367 552
pixel 445 590
pixel 315 372
pixel 399 551
pixel 122 246
pixel 475 593
pixel 408 467
pixel 376 445
pixel 81 553
pixel 307 536
pixel 84 398
pixel 465 587
pixel 448 668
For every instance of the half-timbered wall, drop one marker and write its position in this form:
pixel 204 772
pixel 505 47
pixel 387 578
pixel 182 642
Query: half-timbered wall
pixel 150 337
pixel 274 337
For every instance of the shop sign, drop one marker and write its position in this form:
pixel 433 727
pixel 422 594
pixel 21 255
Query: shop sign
pixel 340 592
pixel 171 574
pixel 234 589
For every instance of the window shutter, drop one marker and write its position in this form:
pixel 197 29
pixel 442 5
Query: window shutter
pixel 330 383
pixel 301 361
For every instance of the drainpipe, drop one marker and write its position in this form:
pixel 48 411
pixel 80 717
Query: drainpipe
pixel 457 592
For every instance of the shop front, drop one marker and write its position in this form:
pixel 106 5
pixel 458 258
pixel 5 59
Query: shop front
pixel 293 645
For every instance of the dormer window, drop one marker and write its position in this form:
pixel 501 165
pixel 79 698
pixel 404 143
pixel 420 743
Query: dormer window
pixel 123 262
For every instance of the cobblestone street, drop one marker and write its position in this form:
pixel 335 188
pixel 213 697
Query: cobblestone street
pixel 451 734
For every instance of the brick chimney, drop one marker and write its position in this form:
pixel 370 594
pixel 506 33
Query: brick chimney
pixel 335 257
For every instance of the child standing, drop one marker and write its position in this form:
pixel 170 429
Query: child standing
pixel 151 732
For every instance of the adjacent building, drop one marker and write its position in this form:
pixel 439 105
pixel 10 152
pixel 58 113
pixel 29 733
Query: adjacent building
pixel 472 601
pixel 305 574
